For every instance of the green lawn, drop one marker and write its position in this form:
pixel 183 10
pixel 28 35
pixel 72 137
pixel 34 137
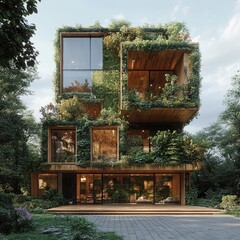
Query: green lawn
pixel 61 227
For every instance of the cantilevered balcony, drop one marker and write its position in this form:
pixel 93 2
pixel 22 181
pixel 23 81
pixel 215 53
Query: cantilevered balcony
pixel 158 86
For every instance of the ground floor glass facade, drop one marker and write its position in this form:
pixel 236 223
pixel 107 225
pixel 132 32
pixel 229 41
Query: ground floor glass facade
pixel 103 188
pixel 127 188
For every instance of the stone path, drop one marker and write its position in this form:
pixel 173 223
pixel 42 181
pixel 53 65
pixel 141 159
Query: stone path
pixel 165 227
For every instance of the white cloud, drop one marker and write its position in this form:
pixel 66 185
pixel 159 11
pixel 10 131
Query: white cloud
pixel 119 16
pixel 180 10
pixel 220 62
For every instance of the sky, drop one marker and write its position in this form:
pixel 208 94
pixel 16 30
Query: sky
pixel 214 24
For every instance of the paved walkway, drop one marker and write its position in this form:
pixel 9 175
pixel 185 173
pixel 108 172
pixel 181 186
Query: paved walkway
pixel 174 227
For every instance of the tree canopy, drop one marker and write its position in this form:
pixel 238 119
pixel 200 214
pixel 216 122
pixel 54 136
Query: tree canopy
pixel 221 169
pixel 16 32
pixel 18 128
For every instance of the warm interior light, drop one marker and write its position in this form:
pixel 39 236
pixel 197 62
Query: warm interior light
pixel 83 179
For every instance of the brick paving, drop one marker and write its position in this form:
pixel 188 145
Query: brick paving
pixel 165 227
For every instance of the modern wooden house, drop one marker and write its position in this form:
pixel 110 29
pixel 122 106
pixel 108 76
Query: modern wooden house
pixel 124 95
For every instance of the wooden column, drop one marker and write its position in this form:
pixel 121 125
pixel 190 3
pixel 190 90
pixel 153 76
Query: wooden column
pixel 59 183
pixel 183 188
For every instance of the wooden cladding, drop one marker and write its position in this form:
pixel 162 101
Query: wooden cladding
pixel 159 115
pixel 157 60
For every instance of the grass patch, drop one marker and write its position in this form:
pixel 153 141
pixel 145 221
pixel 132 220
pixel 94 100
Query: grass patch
pixel 234 212
pixel 53 227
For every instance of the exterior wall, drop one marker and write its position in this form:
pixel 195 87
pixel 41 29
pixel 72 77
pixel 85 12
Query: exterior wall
pixel 145 65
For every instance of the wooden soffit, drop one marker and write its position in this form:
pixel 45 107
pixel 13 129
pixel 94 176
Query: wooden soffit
pixel 159 115
pixel 156 60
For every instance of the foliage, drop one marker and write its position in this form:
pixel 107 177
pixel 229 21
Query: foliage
pixel 117 24
pixel 120 196
pixel 162 192
pixel 220 171
pixel 235 212
pixel 192 196
pixel 176 148
pixel 168 148
pixel 229 202
pixel 6 200
pixel 22 220
pixel 173 95
pixel 19 131
pixel 177 31
pixel 5 220
pixel 83 229
pixel 49 112
pixel 16 32
pixel 49 226
pixel 78 87
pixel 134 144
pixel 71 109
pixel 13 219
pixel 53 196
pixel 106 83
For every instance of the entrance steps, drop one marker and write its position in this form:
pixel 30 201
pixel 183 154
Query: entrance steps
pixel 134 209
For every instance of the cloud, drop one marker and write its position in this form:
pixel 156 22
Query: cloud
pixel 179 10
pixel 119 16
pixel 220 62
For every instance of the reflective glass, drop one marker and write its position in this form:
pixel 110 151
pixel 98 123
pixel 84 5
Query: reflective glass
pixel 96 53
pixel 76 53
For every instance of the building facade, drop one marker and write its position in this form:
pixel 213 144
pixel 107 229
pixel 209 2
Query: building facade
pixel 123 97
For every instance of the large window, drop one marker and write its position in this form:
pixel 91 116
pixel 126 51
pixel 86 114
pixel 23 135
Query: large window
pixel 82 56
pixel 62 144
pixel 46 181
pixel 105 143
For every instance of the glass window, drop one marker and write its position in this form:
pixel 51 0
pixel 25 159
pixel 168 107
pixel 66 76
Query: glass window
pixel 105 143
pixel 46 181
pixel 167 188
pixel 96 53
pixel 63 144
pixel 82 56
pixel 76 53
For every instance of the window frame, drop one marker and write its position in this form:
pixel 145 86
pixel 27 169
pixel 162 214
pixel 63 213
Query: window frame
pixel 50 160
pixel 113 127
pixel 72 35
pixel 46 174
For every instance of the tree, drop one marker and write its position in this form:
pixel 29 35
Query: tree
pixel 221 169
pixel 15 33
pixel 17 153
pixel 231 117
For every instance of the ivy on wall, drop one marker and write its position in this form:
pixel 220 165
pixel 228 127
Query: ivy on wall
pixel 168 147
pixel 106 89
pixel 106 84
pixel 174 95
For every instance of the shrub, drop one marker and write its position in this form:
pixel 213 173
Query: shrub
pixel 21 220
pixel 21 198
pixel 229 202
pixel 5 220
pixel 192 196
pixel 83 229
pixel 205 202
pixel 15 220
pixel 54 197
pixel 6 200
